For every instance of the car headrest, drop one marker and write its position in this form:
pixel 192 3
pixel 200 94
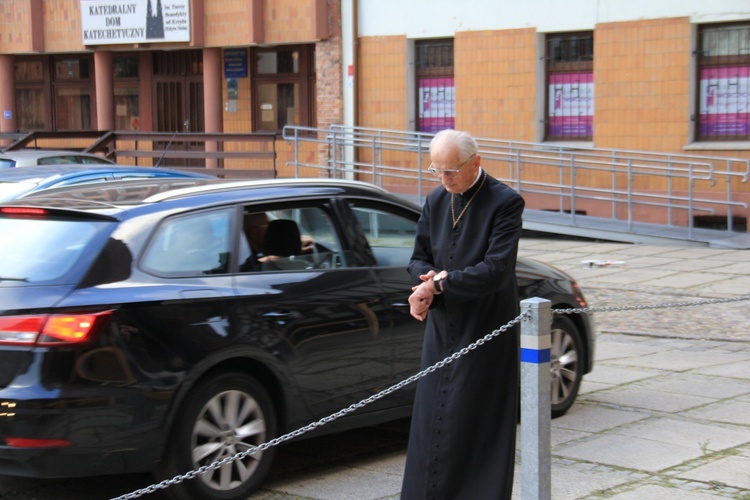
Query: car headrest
pixel 282 238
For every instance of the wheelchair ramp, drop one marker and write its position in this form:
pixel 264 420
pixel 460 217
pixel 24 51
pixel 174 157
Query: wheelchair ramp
pixel 632 232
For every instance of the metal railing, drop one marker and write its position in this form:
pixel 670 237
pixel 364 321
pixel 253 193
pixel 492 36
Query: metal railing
pixel 224 154
pixel 629 187
pixel 616 184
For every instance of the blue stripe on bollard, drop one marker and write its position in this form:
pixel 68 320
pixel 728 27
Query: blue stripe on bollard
pixel 537 356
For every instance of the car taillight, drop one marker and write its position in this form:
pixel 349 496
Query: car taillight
pixel 23 211
pixel 52 329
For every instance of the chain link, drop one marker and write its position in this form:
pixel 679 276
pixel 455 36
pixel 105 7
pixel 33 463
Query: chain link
pixel 323 421
pixel 666 305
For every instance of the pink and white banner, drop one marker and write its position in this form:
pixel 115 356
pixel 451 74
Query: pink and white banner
pixel 437 104
pixel 571 105
pixel 725 101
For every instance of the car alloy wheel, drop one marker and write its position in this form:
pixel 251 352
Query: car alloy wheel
pixel 566 364
pixel 226 415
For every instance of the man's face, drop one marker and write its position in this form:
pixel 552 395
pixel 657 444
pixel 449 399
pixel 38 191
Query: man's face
pixel 255 229
pixel 446 157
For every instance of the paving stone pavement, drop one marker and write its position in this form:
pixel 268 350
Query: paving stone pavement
pixel 665 414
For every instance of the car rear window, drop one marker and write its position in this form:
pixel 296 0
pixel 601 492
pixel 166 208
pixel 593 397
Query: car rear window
pixel 42 250
pixel 11 190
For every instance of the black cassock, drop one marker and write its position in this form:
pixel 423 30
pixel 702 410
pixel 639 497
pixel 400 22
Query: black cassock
pixel 462 437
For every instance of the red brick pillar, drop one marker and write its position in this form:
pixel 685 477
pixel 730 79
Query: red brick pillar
pixel 105 90
pixel 213 111
pixel 330 77
pixel 8 115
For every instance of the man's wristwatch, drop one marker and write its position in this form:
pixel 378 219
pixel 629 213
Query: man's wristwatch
pixel 437 282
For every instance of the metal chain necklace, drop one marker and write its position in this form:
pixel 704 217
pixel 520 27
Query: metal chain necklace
pixel 453 211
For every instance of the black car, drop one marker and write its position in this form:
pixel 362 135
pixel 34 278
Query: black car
pixel 144 328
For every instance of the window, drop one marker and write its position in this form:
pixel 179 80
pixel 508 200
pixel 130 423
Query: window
pixel 436 91
pixel 570 86
pixel 72 92
pixel 191 245
pixel 54 93
pixel 127 105
pixel 391 237
pixel 283 87
pixel 27 256
pixel 283 239
pixel 31 94
pixel 724 82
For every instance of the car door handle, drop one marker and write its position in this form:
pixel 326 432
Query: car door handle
pixel 400 304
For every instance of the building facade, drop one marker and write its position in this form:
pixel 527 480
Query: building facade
pixel 169 65
pixel 639 75
pixel 665 76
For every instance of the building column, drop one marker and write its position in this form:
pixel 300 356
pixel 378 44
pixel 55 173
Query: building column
pixel 212 108
pixel 8 118
pixel 105 90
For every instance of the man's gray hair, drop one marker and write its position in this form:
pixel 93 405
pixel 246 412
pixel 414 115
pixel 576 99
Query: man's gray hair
pixel 462 140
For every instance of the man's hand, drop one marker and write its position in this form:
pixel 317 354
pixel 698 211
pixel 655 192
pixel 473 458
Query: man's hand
pixel 308 244
pixel 420 300
pixel 422 295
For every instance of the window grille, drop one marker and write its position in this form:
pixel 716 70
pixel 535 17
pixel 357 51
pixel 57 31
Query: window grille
pixel 436 102
pixel 570 86
pixel 724 83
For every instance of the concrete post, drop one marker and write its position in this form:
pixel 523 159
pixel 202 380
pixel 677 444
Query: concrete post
pixel 536 473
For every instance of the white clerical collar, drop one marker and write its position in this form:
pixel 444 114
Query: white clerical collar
pixel 479 176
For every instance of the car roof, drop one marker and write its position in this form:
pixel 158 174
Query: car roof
pixel 47 153
pixel 70 170
pixel 117 196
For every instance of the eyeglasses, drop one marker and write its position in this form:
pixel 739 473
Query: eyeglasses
pixel 448 172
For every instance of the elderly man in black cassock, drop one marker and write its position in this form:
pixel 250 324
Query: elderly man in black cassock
pixel 463 429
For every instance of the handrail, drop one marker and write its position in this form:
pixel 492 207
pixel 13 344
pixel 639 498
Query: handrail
pixel 679 185
pixel 209 151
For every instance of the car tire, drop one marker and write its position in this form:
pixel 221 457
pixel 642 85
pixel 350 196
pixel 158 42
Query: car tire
pixel 566 364
pixel 225 415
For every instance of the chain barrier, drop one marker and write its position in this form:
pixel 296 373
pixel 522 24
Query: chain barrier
pixel 666 305
pixel 440 364
pixel 302 430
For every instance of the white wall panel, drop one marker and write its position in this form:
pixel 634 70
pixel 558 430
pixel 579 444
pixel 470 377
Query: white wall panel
pixel 438 18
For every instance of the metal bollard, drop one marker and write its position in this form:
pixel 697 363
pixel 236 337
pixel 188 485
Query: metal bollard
pixel 536 473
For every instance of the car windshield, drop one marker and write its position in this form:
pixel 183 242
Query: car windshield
pixel 41 250
pixel 7 163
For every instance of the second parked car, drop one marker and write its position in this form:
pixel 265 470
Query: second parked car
pixel 146 328
pixel 34 157
pixel 17 183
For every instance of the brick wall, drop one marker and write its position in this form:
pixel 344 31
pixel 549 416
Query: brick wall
pixel 62 26
pixel 641 79
pixel 381 82
pixel 495 74
pixel 15 14
pixel 329 71
pixel 227 22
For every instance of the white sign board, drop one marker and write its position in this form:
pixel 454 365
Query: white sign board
pixel 106 22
